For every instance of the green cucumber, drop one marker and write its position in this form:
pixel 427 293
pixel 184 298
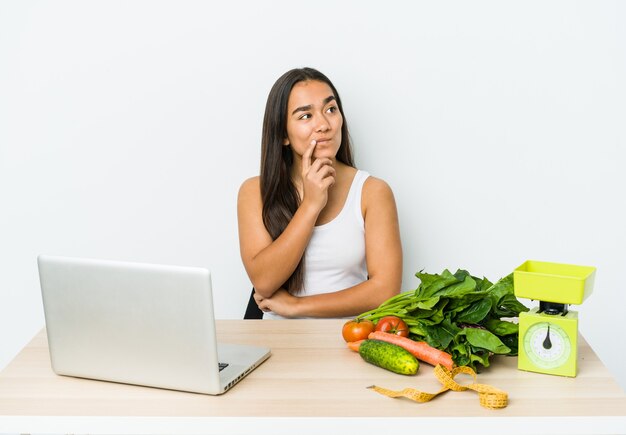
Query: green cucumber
pixel 389 356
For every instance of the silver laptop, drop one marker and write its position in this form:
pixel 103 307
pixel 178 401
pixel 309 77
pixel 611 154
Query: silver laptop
pixel 140 324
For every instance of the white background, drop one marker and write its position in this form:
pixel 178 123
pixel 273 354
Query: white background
pixel 126 129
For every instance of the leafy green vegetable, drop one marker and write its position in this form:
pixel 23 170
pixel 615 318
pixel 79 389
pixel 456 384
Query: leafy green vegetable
pixel 460 314
pixel 475 312
pixel 500 327
pixel 481 338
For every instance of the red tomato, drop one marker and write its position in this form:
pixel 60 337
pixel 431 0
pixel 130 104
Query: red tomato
pixel 357 329
pixel 393 325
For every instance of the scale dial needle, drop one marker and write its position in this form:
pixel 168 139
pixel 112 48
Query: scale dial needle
pixel 547 344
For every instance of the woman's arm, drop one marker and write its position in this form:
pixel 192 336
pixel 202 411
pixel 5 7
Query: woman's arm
pixel 383 252
pixel 270 263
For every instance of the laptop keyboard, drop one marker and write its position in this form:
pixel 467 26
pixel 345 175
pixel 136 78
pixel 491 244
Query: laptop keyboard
pixel 222 366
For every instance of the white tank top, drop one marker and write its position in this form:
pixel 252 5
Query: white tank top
pixel 334 259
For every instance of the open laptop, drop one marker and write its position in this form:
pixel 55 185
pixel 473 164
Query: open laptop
pixel 140 324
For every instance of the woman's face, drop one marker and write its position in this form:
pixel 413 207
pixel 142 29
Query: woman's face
pixel 313 115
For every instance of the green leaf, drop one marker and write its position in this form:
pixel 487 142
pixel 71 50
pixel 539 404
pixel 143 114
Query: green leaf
pixel 428 303
pixel 481 357
pixel 441 335
pixel 485 339
pixel 509 306
pixel 475 312
pixel 482 284
pixel 468 285
pixel 460 354
pixel 418 330
pixel 431 284
pixel 461 274
pixel 427 278
pixel 500 289
pixel 461 303
pixel 512 341
pixel 421 314
pixel 501 327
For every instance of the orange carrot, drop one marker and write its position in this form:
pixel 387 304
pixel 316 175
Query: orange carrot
pixel 354 345
pixel 419 349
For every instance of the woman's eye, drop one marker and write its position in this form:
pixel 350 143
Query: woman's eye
pixel 332 109
pixel 305 116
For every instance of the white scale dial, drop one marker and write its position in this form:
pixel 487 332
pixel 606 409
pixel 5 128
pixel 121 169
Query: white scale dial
pixel 547 345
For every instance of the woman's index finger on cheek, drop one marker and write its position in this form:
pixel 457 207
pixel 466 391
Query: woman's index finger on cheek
pixel 306 158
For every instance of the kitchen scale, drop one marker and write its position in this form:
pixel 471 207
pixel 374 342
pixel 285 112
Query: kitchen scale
pixel 548 334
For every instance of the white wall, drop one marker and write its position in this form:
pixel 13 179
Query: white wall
pixel 126 129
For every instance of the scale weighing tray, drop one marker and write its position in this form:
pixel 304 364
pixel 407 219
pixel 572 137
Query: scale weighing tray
pixel 553 282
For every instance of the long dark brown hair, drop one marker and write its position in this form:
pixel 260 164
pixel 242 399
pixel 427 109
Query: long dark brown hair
pixel 278 191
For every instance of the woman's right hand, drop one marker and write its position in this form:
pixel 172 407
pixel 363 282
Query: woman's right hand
pixel 317 177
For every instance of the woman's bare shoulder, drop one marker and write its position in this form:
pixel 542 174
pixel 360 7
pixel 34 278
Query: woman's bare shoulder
pixel 251 186
pixel 377 193
pixel 250 194
pixel 376 186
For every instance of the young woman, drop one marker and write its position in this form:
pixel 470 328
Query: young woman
pixel 318 237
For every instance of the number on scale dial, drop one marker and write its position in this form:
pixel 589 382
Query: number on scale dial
pixel 547 345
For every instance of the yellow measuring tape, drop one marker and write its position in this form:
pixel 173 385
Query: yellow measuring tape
pixel 489 397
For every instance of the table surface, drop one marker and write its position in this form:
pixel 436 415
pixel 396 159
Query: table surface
pixel 310 378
